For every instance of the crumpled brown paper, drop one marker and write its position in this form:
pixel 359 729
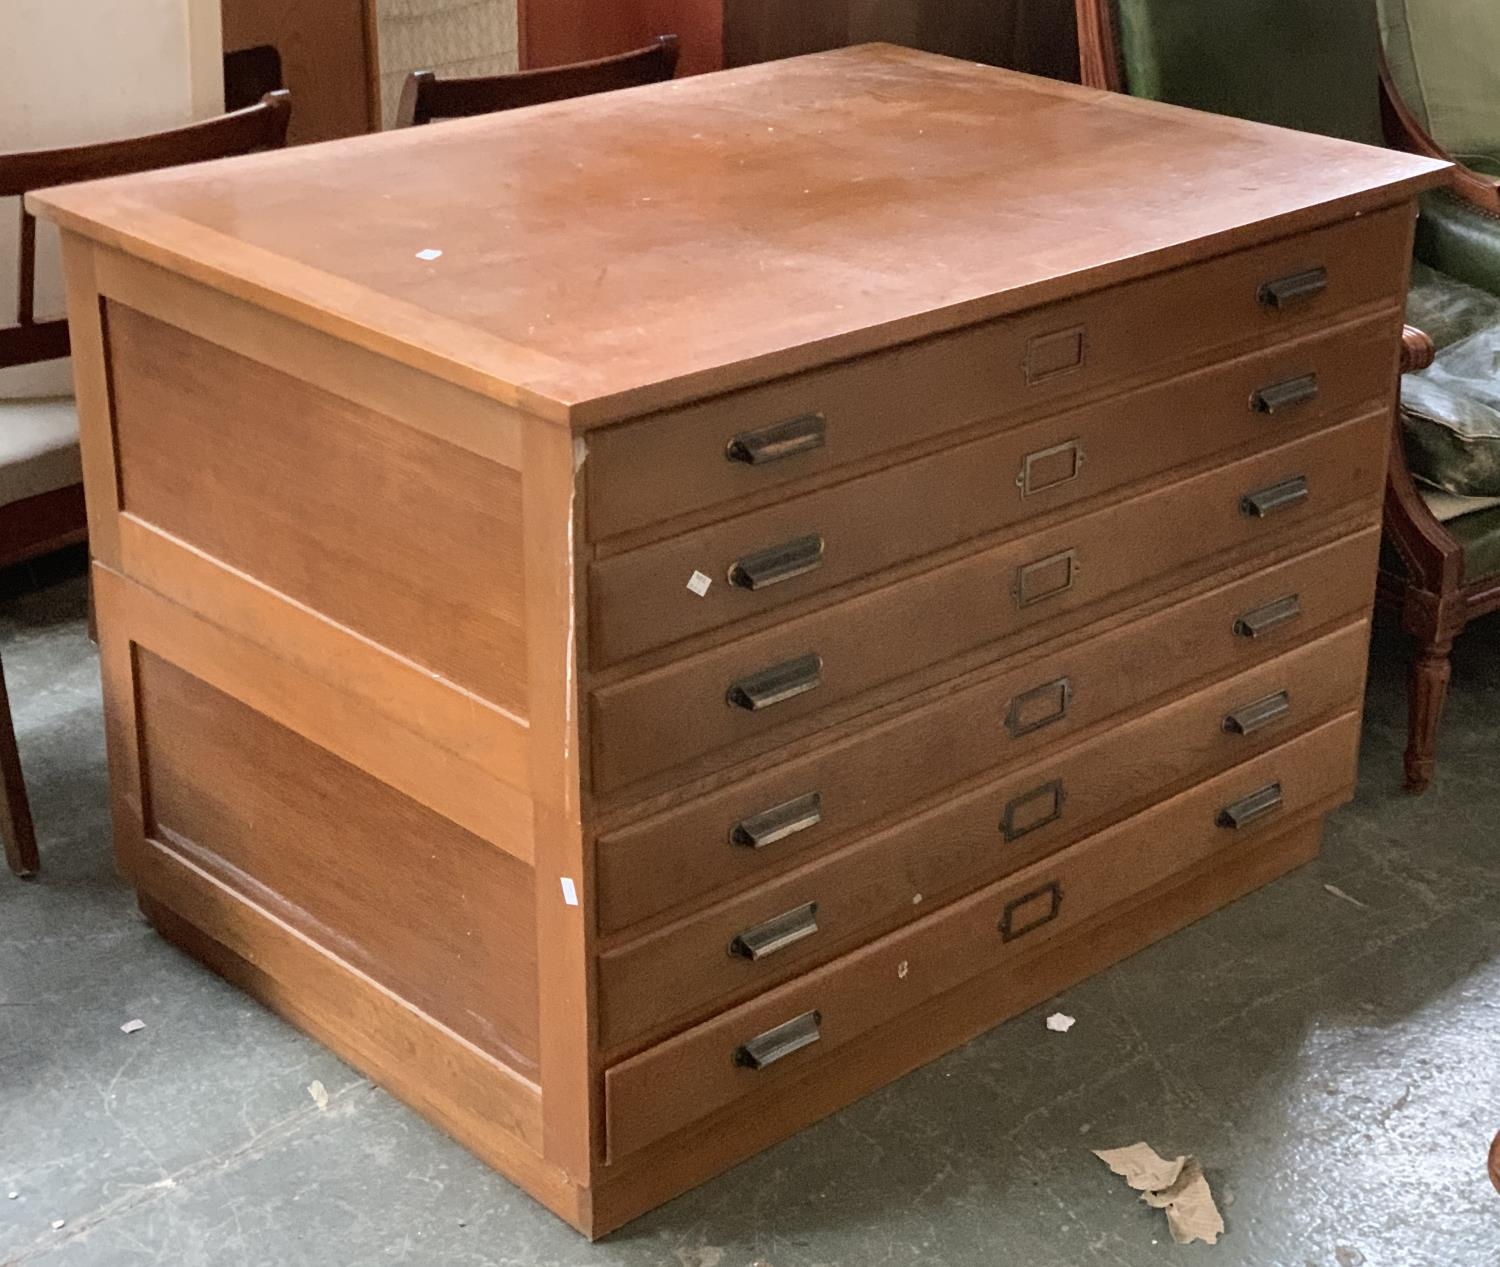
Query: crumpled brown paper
pixel 1177 1186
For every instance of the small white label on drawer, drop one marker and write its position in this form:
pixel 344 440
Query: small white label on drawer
pixel 570 893
pixel 699 583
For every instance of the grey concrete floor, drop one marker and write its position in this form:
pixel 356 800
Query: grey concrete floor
pixel 1336 1067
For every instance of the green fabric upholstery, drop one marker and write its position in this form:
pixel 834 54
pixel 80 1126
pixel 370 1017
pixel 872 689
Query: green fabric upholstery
pixel 1306 64
pixel 1447 309
pixel 1479 535
pixel 1458 239
pixel 1445 58
pixel 1451 411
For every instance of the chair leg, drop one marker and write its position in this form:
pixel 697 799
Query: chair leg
pixel 1426 692
pixel 15 810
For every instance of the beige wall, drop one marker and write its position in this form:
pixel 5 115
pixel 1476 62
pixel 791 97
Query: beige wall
pixel 75 71
pixel 452 37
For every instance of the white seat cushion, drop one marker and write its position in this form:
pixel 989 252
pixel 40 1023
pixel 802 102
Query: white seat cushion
pixel 38 447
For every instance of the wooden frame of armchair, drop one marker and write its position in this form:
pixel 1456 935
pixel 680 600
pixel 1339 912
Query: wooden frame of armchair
pixel 1433 598
pixel 48 521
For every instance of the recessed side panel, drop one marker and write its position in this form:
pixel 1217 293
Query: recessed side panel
pixel 435 915
pixel 405 539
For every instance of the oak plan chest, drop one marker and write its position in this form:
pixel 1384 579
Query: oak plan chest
pixel 640 620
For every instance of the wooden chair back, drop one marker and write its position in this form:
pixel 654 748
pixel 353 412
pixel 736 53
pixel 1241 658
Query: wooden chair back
pixel 250 75
pixel 426 98
pixel 260 127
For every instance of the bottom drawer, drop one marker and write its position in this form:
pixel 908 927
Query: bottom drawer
pixel 808 1020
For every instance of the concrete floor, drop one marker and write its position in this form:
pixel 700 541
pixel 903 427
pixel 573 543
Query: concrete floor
pixel 1336 1067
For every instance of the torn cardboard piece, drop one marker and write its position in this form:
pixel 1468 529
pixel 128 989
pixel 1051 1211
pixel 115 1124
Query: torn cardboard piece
pixel 1192 1214
pixel 1178 1186
pixel 1141 1168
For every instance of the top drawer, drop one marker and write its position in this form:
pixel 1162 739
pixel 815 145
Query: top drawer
pixel 748 443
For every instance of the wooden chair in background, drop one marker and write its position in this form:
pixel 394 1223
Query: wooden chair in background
pixel 41 488
pixel 426 98
pixel 251 75
pixel 1322 68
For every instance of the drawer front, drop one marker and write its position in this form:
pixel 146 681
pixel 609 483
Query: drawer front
pixel 743 833
pixel 971 838
pixel 1076 569
pixel 761 561
pixel 747 444
pixel 814 1018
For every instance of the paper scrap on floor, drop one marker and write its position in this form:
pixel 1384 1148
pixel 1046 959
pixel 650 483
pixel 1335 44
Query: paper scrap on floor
pixel 1177 1186
pixel 1347 897
pixel 1060 1022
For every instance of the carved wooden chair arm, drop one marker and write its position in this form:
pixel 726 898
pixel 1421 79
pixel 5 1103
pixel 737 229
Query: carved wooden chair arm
pixel 1433 558
pixel 1417 349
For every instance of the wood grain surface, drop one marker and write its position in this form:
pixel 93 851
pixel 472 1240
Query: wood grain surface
pixel 309 837
pixel 325 502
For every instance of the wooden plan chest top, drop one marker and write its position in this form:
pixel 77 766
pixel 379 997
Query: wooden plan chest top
pixel 827 556
pixel 606 255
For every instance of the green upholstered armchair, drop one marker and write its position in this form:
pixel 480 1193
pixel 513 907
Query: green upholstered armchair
pixel 1421 75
